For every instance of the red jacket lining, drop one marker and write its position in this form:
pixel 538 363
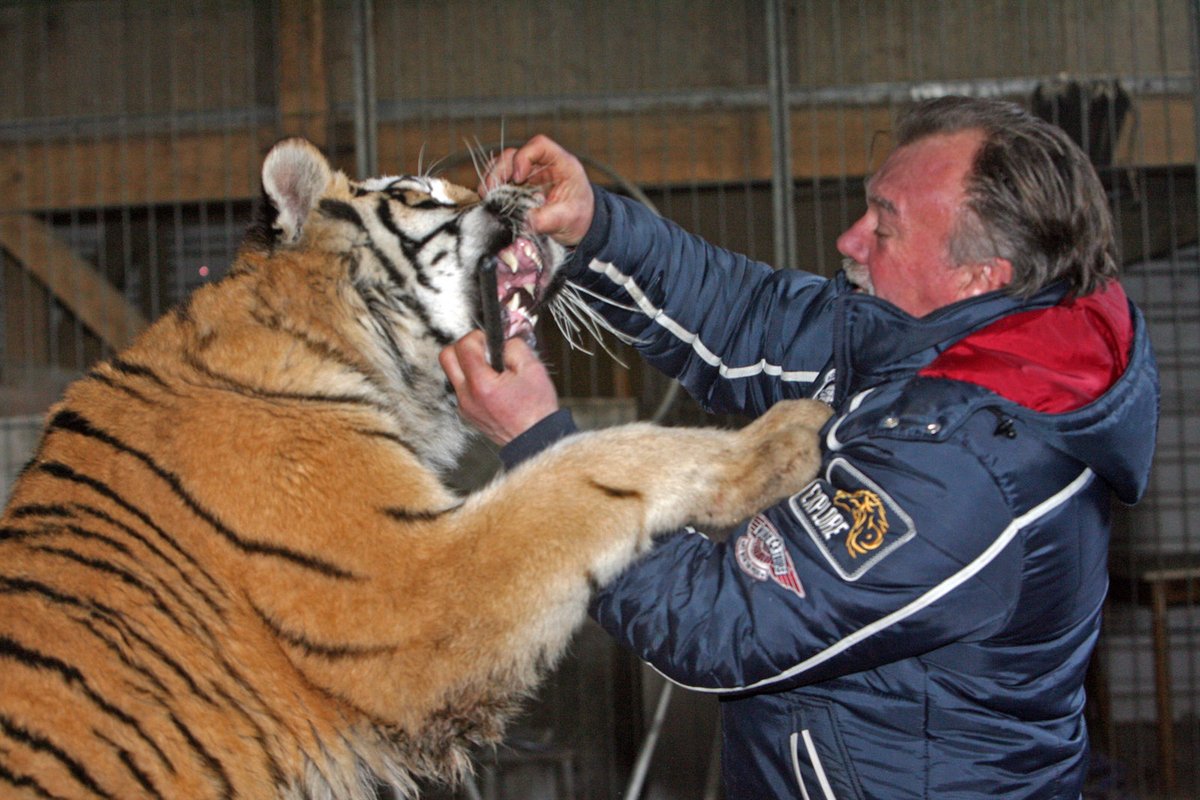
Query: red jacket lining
pixel 1051 360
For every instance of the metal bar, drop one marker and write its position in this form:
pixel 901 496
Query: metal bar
pixel 633 790
pixel 417 108
pixel 1194 21
pixel 366 147
pixel 783 210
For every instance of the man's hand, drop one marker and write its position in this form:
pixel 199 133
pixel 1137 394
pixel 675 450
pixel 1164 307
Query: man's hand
pixel 541 161
pixel 502 405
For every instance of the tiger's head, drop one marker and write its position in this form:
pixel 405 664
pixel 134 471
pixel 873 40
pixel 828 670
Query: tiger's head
pixel 412 247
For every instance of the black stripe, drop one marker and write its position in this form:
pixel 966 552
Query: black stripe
pixel 613 491
pixel 413 305
pixel 119 387
pixel 274 395
pixel 331 651
pixel 63 472
pixel 411 249
pixel 391 437
pixel 72 421
pixel 270 394
pixel 120 365
pixel 210 762
pixel 11 534
pixel 263 709
pixel 340 210
pixel 127 759
pixel 89 535
pixel 38 510
pixel 165 658
pixel 41 744
pixel 381 314
pixel 414 515
pixel 26 782
pixel 110 644
pixel 24 585
pixel 409 246
pixel 322 349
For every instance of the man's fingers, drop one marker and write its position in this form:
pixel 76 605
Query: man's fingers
pixel 448 358
pixel 463 359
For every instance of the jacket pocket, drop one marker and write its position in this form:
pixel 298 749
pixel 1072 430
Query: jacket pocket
pixel 822 767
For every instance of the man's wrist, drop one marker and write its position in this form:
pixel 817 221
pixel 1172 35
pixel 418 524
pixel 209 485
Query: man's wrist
pixel 538 437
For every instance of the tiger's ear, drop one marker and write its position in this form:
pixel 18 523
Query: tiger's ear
pixel 295 175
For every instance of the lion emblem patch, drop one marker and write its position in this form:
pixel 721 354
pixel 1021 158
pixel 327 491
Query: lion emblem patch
pixel 853 522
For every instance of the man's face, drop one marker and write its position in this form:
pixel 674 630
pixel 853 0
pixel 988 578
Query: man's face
pixel 902 242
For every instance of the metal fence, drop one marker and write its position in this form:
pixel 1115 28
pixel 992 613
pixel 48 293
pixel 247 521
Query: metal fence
pixel 131 134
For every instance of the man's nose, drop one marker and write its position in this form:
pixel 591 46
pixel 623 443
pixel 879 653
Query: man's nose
pixel 853 241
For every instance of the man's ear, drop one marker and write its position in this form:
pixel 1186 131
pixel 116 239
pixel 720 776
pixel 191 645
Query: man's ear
pixel 985 276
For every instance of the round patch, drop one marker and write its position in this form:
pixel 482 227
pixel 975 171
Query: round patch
pixel 762 554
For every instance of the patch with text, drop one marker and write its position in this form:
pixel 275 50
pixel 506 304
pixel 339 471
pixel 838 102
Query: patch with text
pixel 762 554
pixel 853 522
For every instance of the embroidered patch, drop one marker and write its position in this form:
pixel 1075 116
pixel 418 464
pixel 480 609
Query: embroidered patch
pixel 762 554
pixel 853 522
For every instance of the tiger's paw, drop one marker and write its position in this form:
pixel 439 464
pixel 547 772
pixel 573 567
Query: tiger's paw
pixel 776 456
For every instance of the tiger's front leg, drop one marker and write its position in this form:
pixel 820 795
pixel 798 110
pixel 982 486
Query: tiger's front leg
pixel 712 477
pixel 773 457
pixel 609 492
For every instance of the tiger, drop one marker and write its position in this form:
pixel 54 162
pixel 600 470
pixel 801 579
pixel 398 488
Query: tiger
pixel 233 567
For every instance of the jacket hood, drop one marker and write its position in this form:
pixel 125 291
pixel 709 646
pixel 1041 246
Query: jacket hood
pixel 1080 373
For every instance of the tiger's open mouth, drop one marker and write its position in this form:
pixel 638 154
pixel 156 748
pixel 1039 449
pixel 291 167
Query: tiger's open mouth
pixel 512 286
pixel 519 286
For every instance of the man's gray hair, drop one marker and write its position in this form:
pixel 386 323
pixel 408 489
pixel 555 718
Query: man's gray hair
pixel 1032 196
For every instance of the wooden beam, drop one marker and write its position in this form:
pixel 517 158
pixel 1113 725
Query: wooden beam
pixel 648 149
pixel 131 171
pixel 72 280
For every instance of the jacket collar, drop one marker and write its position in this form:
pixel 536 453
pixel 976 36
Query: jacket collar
pixel 874 341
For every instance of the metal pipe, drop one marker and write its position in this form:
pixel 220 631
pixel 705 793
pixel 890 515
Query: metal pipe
pixel 366 148
pixel 866 94
pixel 783 210
pixel 642 766
pixel 1194 19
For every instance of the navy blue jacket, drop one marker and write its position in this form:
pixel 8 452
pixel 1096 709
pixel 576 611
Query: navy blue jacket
pixel 917 622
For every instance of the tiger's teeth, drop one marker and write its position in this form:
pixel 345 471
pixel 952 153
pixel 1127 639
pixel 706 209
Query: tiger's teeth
pixel 514 303
pixel 533 318
pixel 532 253
pixel 509 258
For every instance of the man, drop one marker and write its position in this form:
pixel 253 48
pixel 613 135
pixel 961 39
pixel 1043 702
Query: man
pixel 917 622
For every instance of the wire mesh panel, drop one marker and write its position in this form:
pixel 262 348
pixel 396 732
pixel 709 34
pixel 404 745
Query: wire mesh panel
pixel 131 135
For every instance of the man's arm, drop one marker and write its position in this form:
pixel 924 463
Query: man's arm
pixel 738 334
